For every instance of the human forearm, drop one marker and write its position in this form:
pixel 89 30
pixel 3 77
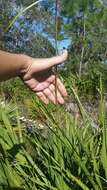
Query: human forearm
pixel 36 74
pixel 11 65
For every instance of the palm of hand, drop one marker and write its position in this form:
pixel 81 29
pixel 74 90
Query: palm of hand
pixel 43 85
pixel 40 79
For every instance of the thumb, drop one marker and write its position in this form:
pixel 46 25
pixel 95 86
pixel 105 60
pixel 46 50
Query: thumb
pixel 39 65
pixel 58 59
pixel 49 62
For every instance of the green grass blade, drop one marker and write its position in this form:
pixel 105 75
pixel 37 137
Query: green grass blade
pixel 21 13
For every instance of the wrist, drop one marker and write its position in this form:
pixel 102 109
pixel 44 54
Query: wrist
pixel 13 65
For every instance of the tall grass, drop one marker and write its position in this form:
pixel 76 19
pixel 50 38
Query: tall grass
pixel 71 157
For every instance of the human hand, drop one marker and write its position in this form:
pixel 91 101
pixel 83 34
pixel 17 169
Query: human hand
pixel 38 76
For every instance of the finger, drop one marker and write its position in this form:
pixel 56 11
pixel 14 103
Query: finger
pixel 42 97
pixel 51 78
pixel 61 88
pixel 41 86
pixel 31 83
pixel 59 59
pixel 58 97
pixel 49 95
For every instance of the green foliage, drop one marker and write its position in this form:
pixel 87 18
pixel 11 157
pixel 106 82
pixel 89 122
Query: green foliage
pixel 88 84
pixel 70 157
pixel 24 29
pixel 86 26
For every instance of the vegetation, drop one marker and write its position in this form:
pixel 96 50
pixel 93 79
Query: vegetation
pixel 69 152
pixel 71 157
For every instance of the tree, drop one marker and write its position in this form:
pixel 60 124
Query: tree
pixel 29 33
pixel 86 25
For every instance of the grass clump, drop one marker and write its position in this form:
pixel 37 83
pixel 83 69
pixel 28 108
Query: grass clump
pixel 72 156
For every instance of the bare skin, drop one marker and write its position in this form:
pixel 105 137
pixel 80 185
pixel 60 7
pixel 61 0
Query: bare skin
pixel 36 74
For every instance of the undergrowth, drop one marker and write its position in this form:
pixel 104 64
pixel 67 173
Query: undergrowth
pixel 72 156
